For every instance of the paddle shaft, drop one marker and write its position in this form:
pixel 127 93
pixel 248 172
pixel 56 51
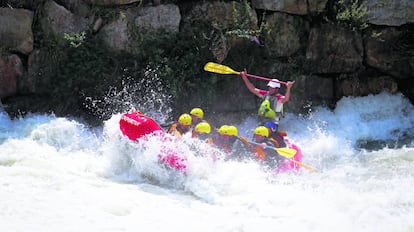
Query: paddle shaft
pixel 304 165
pixel 284 151
pixel 264 78
pixel 261 144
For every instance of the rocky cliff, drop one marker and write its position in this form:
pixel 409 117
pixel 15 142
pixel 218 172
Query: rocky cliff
pixel 93 58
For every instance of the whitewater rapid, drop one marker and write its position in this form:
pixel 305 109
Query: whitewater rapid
pixel 57 174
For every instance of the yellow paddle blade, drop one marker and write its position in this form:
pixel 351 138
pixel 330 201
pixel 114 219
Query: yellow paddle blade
pixel 219 68
pixel 286 152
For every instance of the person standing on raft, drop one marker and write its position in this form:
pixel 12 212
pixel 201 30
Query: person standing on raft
pixel 271 108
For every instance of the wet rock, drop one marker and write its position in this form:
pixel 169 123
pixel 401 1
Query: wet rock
pixel 16 30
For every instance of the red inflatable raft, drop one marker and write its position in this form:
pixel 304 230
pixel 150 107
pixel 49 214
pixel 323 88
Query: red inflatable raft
pixel 135 125
pixel 291 164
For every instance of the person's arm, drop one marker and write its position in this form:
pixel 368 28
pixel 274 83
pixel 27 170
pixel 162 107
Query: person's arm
pixel 249 85
pixel 289 85
pixel 172 128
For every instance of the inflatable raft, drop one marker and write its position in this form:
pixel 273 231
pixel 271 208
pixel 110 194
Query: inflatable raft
pixel 136 125
pixel 290 164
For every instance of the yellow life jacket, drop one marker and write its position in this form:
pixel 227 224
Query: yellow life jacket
pixel 266 110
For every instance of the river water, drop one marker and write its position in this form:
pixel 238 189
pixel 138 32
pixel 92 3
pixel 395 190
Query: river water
pixel 57 174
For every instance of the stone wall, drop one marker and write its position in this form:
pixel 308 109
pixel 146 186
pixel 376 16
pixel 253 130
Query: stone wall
pixel 285 39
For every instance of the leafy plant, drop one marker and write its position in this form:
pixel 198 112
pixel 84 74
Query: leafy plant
pixel 351 13
pixel 76 39
pixel 83 65
pixel 242 16
pixel 243 19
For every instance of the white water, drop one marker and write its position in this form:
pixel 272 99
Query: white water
pixel 58 175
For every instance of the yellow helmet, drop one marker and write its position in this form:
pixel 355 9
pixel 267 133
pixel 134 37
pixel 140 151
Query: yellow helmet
pixel 223 130
pixel 198 112
pixel 203 127
pixel 185 120
pixel 232 130
pixel 261 130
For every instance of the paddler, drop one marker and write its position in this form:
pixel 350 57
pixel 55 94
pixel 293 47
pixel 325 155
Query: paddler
pixel 197 115
pixel 182 126
pixel 268 156
pixel 225 138
pixel 276 136
pixel 202 131
pixel 271 108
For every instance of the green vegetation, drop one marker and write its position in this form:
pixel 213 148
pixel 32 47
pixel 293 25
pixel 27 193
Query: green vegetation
pixel 75 40
pixel 178 60
pixel 84 68
pixel 351 13
pixel 90 77
pixel 107 14
pixel 243 19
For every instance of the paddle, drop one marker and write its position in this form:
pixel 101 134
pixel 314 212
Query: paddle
pixel 287 153
pixel 283 151
pixel 222 69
